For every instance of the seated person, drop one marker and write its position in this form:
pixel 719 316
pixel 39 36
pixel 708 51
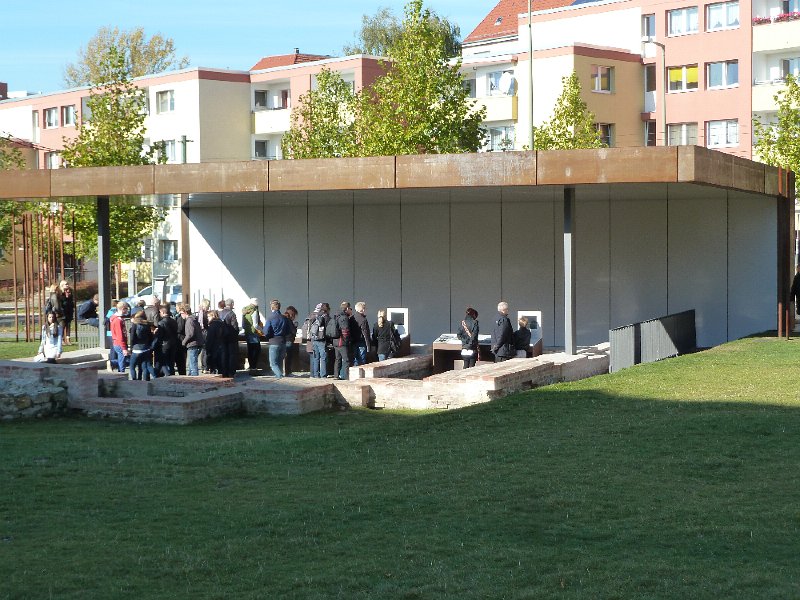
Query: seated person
pixel 87 312
pixel 522 338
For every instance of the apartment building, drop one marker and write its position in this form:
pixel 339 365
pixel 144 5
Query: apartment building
pixel 673 72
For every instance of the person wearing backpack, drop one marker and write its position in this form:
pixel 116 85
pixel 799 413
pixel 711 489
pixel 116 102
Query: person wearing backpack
pixel 231 337
pixel 316 343
pixel 277 331
pixel 339 330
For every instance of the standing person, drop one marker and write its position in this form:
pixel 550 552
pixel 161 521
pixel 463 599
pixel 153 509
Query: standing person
pixel 291 316
pixel 202 319
pixel 140 338
pixel 319 343
pixel 794 293
pixel 180 352
pixel 53 303
pixel 384 336
pixel 502 335
pixel 340 333
pixel 52 338
pixel 278 329
pixel 87 311
pixel 119 338
pixel 168 335
pixel 227 315
pixel 468 331
pixel 253 330
pixel 361 335
pixel 68 308
pixel 522 338
pixel 215 349
pixel 192 339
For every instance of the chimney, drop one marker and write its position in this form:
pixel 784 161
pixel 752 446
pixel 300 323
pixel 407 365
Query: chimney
pixel 297 50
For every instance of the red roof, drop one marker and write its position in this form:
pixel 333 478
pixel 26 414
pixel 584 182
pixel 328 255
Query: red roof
pixel 284 60
pixel 502 20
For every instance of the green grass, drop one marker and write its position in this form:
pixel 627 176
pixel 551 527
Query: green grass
pixel 673 480
pixel 10 349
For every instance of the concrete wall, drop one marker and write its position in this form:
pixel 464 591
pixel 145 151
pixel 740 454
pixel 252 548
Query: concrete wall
pixel 643 251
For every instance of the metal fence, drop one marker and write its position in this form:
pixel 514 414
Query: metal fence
pixel 652 340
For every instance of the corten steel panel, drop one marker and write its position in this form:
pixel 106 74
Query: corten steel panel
pixel 249 176
pixel 373 172
pixel 25 184
pixel 702 165
pixel 607 165
pixel 464 170
pixel 778 182
pixel 103 181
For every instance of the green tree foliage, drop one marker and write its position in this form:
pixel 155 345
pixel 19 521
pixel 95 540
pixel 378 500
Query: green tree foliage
pixel 10 156
pixel 381 31
pixel 572 124
pixel 324 122
pixel 778 143
pixel 420 105
pixel 113 135
pixel 142 56
pixel 10 159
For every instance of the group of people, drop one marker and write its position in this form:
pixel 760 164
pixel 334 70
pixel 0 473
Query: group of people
pixel 506 342
pixel 347 333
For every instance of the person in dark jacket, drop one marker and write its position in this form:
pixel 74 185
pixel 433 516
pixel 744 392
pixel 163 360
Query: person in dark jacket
pixel 794 293
pixel 216 348
pixel 168 336
pixel 503 335
pixel 180 352
pixel 277 330
pixel 384 336
pixel 319 358
pixel 362 339
pixel 522 338
pixel 68 306
pixel 228 315
pixel 342 346
pixel 87 311
pixel 140 339
pixel 468 334
pixel 291 314
pixel 192 339
pixel 253 330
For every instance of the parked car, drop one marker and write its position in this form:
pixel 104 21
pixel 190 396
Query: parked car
pixel 174 294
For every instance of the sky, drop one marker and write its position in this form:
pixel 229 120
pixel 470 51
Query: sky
pixel 38 39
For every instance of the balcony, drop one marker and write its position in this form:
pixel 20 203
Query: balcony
pixel 271 120
pixel 499 108
pixel 776 36
pixel 764 95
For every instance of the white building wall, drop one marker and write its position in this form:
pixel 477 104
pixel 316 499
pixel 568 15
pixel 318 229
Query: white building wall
pixel 183 120
pixel 17 121
pixel 615 29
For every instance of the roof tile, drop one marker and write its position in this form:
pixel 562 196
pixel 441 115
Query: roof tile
pixel 284 60
pixel 502 20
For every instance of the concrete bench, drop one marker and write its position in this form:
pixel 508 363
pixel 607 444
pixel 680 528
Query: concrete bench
pixel 416 366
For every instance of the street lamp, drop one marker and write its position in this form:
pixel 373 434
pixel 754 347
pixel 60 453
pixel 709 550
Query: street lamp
pixel 664 83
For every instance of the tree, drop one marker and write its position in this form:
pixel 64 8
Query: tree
pixel 324 123
pixel 114 135
pixel 142 56
pixel 383 30
pixel 572 124
pixel 10 159
pixel 778 143
pixel 420 105
pixel 10 156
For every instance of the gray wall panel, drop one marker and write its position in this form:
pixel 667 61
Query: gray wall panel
pixel 698 230
pixel 752 265
pixel 286 257
pixel 377 250
pixel 426 262
pixel 330 247
pixel 528 250
pixel 242 230
pixel 205 264
pixel 592 268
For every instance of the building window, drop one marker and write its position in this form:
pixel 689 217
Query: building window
pixel 682 79
pixel 682 134
pixel 471 86
pixel 52 160
pixel 650 133
pixel 68 115
pixel 606 131
pixel 790 66
pixel 35 126
pixel 602 79
pixel 500 83
pixel 168 147
pixel 165 101
pixel 262 149
pixel 682 21
pixel 50 118
pixel 169 250
pixel 722 74
pixel 720 134
pixel 260 98
pixel 649 27
pixel 723 15
pixel 501 138
pixel 284 99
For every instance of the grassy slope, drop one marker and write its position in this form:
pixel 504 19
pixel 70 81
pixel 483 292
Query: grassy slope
pixel 677 479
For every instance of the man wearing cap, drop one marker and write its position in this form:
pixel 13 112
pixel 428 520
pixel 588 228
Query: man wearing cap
pixel 253 330
pixel 317 344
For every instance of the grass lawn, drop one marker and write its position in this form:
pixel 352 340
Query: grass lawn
pixel 679 479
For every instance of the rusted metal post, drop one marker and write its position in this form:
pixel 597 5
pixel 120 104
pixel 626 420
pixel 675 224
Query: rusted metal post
pixel 14 262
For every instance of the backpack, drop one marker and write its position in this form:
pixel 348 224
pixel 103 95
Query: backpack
pixel 317 332
pixel 332 328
